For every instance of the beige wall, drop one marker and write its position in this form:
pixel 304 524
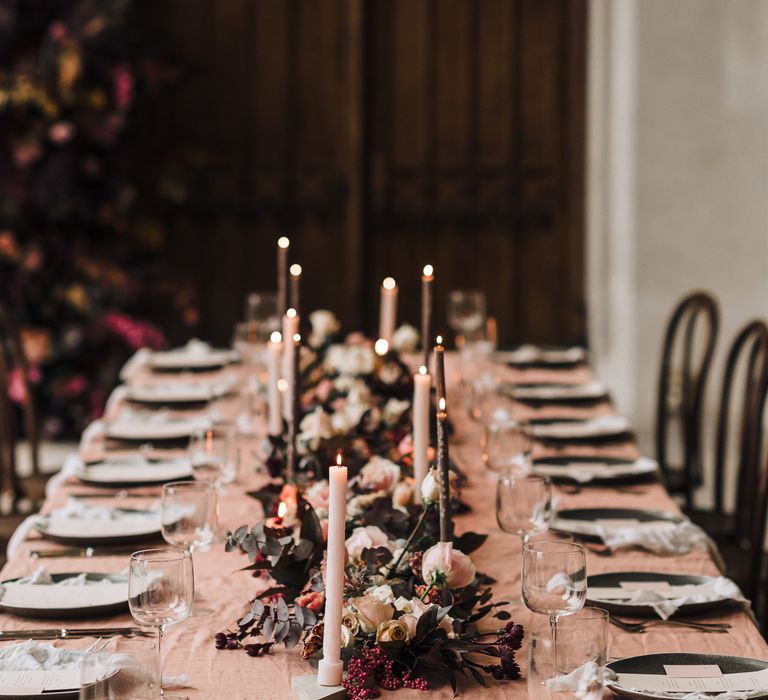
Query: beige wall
pixel 678 177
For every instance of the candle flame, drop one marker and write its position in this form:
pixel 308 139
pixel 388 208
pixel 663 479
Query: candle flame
pixel 291 313
pixel 282 509
pixel 276 337
pixel 283 242
pixel 389 283
pixel 428 271
pixel 439 340
pixel 441 403
pixel 381 347
pixel 282 384
pixel 338 459
pixel 422 370
pixel 295 270
pixel 296 338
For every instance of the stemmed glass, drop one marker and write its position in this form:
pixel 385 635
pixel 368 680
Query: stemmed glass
pixel 554 581
pixel 209 454
pixel 466 311
pixel 161 587
pixel 523 505
pixel 507 446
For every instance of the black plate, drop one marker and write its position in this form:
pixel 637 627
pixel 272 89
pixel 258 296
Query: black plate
pixel 94 539
pixel 592 514
pixel 565 460
pixel 566 400
pixel 612 580
pixel 71 613
pixel 653 664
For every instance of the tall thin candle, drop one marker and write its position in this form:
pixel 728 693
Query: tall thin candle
pixel 388 309
pixel 274 352
pixel 330 668
pixel 443 467
pixel 422 386
pixel 296 287
pixel 440 367
pixel 290 328
pixel 283 244
pixel 293 420
pixel 427 280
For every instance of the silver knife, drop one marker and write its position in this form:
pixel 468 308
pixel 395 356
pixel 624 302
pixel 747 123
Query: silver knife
pixel 74 633
pixel 83 553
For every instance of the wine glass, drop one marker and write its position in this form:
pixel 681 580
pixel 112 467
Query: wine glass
pixel 554 581
pixel 161 588
pixel 261 308
pixel 523 505
pixel 209 453
pixel 466 311
pixel 583 654
pixel 507 446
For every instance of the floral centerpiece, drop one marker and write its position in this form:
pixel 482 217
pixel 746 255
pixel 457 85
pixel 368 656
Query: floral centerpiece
pixel 412 605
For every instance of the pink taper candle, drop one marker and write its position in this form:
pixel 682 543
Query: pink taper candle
pixel 330 669
pixel 275 350
pixel 388 309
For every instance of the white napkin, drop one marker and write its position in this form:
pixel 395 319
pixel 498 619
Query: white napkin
pixel 40 589
pixel 135 364
pixel 534 353
pixel 593 427
pixel 71 464
pixel 583 680
pixel 665 603
pixel 560 391
pixel 584 472
pixel 666 538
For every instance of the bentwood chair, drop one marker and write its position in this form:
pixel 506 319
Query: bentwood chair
pixel 686 357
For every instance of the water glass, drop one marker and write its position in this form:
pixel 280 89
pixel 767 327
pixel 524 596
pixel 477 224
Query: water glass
pixel 261 308
pixel 466 311
pixel 507 446
pixel 127 669
pixel 161 588
pixel 213 454
pixel 581 658
pixel 523 504
pixel 485 401
pixel 189 514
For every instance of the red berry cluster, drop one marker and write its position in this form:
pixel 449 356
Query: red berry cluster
pixel 374 665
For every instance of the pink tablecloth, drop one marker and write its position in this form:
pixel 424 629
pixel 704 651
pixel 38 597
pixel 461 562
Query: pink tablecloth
pixel 233 674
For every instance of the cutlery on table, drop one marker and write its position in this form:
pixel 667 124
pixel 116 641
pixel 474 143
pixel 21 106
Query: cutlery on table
pixel 117 495
pixel 640 627
pixel 82 552
pixel 74 633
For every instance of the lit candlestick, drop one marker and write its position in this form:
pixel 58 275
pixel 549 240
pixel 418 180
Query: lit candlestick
pixel 427 279
pixel 295 287
pixel 388 309
pixel 274 353
pixel 381 347
pixel 444 471
pixel 440 366
pixel 290 328
pixel 422 386
pixel 293 421
pixel 330 668
pixel 283 244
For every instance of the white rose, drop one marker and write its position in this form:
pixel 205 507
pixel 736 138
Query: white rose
pixel 353 360
pixel 402 495
pixel 394 409
pixel 405 339
pixel 403 604
pixel 314 427
pixel 365 538
pixel 359 393
pixel 430 486
pixel 442 561
pixel 414 609
pixel 347 638
pixel 359 504
pixel 317 495
pixel 341 423
pixel 389 373
pixel 380 474
pixel 344 383
pixel 381 593
pixel 324 324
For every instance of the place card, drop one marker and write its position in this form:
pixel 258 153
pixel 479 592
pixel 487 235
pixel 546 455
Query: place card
pixel 693 671
pixel 750 680
pixel 15 683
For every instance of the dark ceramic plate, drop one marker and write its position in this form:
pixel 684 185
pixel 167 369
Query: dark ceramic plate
pixel 653 664
pixel 73 612
pixel 612 580
pixel 566 460
pixel 94 539
pixel 593 514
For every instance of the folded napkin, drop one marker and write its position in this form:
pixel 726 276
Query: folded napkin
pixel 40 588
pixel 667 602
pixel 659 538
pixel 68 469
pixel 593 427
pixel 593 389
pixel 585 679
pixel 584 472
pixel 534 353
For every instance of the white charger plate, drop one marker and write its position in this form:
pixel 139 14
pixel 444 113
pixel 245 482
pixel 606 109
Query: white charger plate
pixel 117 472
pixel 179 360
pixel 151 428
pixel 134 526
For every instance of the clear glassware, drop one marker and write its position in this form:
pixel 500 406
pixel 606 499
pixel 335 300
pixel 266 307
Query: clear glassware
pixel 523 506
pixel 161 588
pixel 507 446
pixel 581 658
pixel 127 669
pixel 485 401
pixel 189 513
pixel 466 311
pixel 261 307
pixel 210 453
pixel 554 578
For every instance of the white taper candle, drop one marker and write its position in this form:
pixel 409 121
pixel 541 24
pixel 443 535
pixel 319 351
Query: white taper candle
pixel 422 385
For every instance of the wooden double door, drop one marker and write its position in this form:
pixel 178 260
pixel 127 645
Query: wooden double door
pixel 380 135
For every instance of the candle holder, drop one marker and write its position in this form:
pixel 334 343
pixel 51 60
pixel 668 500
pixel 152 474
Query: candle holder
pixel 307 688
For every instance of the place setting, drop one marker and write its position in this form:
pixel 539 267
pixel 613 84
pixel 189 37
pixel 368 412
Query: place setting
pixel 588 430
pixel 598 469
pixel 545 357
pixel 588 393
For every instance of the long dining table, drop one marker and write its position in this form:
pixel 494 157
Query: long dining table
pixel 224 590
